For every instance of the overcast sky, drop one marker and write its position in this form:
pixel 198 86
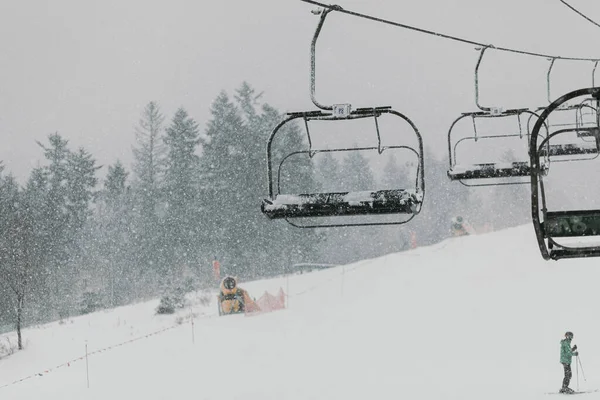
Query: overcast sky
pixel 86 69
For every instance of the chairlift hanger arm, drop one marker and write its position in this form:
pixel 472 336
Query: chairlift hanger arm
pixel 552 60
pixel 313 61
pixel 482 51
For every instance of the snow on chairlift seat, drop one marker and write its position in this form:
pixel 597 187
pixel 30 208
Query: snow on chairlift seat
pixel 571 149
pixel 395 201
pixel 490 170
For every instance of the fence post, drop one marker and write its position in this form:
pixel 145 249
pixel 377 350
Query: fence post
pixel 192 320
pixel 87 368
pixel 343 272
pixel 287 290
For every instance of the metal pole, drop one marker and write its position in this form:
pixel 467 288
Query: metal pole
pixel 287 289
pixel 577 369
pixel 343 271
pixel 192 320
pixel 87 369
pixel 582 372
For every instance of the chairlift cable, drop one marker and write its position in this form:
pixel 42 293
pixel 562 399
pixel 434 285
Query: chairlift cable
pixel 580 13
pixel 442 35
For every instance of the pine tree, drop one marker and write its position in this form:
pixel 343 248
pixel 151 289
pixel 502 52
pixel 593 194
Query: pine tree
pixel 149 158
pixel 56 218
pixel 149 167
pixel 356 173
pixel 81 181
pixel 299 244
pixel 114 185
pixel 396 176
pixel 113 239
pixel 221 166
pixel 36 193
pixel 181 187
pixel 17 248
pixel 234 161
pixel 328 173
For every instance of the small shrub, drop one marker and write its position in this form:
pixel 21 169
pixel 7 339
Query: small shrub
pixel 166 305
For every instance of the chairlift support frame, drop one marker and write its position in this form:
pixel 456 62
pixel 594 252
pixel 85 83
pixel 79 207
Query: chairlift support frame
pixel 341 204
pixel 549 225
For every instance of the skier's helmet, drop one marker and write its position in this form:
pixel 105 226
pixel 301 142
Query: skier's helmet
pixel 229 283
pixel 569 335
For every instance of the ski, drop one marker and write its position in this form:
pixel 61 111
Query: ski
pixel 576 392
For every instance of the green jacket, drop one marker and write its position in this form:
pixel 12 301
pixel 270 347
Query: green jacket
pixel 566 354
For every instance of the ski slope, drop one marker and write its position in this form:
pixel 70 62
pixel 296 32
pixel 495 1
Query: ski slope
pixel 477 317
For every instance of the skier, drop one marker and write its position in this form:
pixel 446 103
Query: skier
pixel 566 354
pixel 233 299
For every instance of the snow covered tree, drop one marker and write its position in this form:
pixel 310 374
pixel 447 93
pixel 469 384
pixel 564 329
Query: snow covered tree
pixel 112 241
pixel 234 163
pixel 181 187
pixel 396 176
pixel 56 219
pixel 81 181
pixel 356 173
pixel 327 172
pixel 222 168
pixel 149 156
pixel 17 248
pixel 148 174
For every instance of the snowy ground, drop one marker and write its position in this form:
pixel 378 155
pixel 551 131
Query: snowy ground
pixel 479 317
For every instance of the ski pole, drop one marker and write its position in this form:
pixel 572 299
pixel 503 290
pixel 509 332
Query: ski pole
pixel 582 372
pixel 577 373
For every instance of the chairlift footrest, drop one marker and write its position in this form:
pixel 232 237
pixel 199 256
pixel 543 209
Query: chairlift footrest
pixel 582 252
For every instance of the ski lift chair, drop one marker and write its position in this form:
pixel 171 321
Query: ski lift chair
pixel 486 174
pixel 301 209
pixel 552 226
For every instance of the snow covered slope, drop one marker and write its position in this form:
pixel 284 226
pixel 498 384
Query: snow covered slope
pixel 478 317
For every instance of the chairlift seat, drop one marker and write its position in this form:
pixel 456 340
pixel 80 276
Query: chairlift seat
pixel 593 131
pixel 571 223
pixel 396 201
pixel 490 170
pixel 570 149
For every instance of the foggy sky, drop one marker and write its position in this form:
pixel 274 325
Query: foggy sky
pixel 87 69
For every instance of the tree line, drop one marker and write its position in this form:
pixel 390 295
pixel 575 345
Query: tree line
pixel 71 242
